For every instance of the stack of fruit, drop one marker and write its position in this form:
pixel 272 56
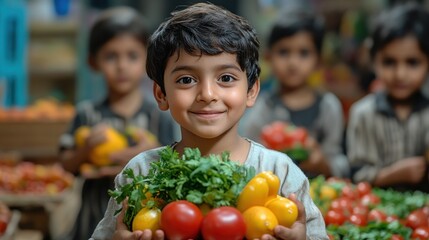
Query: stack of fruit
pixel 286 138
pixel 35 179
pixel 358 211
pixel 212 197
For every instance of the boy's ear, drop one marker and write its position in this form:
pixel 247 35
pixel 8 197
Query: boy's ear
pixel 252 94
pixel 91 63
pixel 160 97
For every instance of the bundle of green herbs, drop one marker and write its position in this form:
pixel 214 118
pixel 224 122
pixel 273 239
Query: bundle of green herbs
pixel 214 180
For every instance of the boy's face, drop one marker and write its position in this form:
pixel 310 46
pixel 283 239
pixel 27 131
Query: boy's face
pixel 206 95
pixel 402 67
pixel 293 59
pixel 122 62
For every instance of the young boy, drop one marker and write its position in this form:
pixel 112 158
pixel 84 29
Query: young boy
pixel 117 50
pixel 294 48
pixel 204 61
pixel 388 132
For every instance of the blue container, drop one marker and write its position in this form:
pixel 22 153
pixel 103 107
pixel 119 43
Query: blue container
pixel 13 52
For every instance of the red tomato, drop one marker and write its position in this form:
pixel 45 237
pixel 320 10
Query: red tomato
pixel 376 216
pixel 425 209
pixel 342 204
pixel 334 217
pixel 396 237
pixel 363 188
pixel 370 199
pixel 298 135
pixel 360 209
pixel 417 218
pixel 224 223
pixel 421 233
pixel 349 192
pixel 358 219
pixel 181 220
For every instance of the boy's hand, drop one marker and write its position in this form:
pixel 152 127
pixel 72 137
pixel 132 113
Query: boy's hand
pixel 298 231
pixel 317 162
pixel 122 232
pixel 97 135
pixel 411 169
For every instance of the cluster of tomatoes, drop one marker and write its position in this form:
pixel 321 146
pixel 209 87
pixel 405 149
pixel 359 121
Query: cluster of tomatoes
pixel 286 138
pixel 359 205
pixel 30 178
pixel 259 210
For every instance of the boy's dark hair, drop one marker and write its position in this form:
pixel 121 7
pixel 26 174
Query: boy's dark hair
pixel 292 21
pixel 399 22
pixel 203 29
pixel 114 22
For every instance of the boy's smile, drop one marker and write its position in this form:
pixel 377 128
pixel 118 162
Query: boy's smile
pixel 206 95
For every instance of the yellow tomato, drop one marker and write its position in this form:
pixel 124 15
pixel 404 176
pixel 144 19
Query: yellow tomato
pixel 328 192
pixel 147 219
pixel 284 209
pixel 81 135
pixel 255 193
pixel 259 221
pixel 272 180
pixel 114 142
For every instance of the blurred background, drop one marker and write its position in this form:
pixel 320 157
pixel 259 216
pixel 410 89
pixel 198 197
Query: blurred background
pixel 44 74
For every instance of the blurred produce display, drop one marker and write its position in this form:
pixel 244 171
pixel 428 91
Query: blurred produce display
pixel 29 179
pixel 47 109
pixel 358 211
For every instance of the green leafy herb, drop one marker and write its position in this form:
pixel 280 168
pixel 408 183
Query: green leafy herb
pixel 214 180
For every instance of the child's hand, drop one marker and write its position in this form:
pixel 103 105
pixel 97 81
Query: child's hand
pixel 96 136
pixel 298 231
pixel 317 162
pixel 122 232
pixel 412 169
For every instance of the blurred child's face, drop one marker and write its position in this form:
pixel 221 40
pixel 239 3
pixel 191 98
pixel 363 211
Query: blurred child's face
pixel 122 62
pixel 293 59
pixel 402 67
pixel 206 95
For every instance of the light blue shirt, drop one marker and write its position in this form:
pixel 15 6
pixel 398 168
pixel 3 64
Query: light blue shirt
pixel 292 180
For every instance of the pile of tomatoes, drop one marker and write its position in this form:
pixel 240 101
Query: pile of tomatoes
pixel 258 211
pixel 286 138
pixel 369 210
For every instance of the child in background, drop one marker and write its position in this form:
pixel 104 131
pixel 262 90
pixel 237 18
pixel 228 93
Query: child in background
pixel 117 49
pixel 294 48
pixel 204 61
pixel 388 132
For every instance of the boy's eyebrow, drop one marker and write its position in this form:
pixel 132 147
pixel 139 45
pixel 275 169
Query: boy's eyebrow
pixel 190 68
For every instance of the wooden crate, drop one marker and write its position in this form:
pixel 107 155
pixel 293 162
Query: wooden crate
pixel 32 139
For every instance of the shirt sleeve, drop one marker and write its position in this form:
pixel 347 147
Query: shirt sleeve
pixel 361 146
pixel 333 130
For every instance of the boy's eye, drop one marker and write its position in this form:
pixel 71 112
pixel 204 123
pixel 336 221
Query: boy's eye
pixel 110 56
pixel 388 62
pixel 413 62
pixel 185 80
pixel 283 52
pixel 226 78
pixel 304 52
pixel 133 55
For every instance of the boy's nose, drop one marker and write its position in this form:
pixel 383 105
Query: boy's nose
pixel 207 92
pixel 400 72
